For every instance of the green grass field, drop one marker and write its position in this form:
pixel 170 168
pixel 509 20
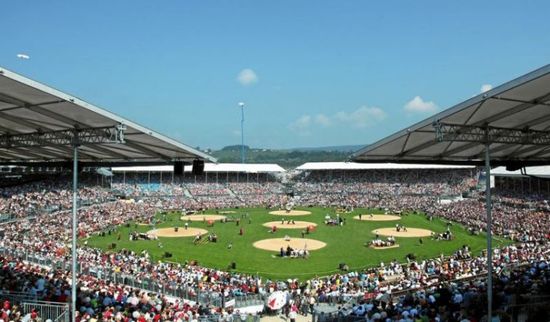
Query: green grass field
pixel 345 244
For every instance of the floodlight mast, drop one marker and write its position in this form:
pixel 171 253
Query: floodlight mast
pixel 241 105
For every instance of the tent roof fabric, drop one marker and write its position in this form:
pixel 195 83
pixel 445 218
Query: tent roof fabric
pixel 541 171
pixel 523 103
pixel 151 168
pixel 211 167
pixel 27 106
pixel 311 166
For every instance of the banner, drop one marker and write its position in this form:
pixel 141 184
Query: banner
pixel 276 300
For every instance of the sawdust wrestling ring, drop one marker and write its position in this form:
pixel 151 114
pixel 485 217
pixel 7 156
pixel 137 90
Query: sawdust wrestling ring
pixel 290 213
pixel 182 232
pixel 286 225
pixel 202 217
pixel 411 232
pixel 275 244
pixel 368 217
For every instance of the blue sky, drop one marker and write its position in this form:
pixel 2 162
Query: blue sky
pixel 312 73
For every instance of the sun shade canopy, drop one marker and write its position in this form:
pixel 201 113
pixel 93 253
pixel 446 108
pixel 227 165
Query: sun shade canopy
pixel 514 119
pixel 323 166
pixel 212 168
pixel 40 124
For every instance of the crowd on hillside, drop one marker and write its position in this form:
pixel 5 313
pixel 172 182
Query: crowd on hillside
pixel 523 265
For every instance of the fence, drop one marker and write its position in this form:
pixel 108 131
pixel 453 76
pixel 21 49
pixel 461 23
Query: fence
pixel 234 317
pixel 175 290
pixel 57 312
pixel 170 289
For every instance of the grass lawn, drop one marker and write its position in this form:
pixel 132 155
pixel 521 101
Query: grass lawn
pixel 345 244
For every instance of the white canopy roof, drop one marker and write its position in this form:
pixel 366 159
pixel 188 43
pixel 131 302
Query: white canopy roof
pixel 151 168
pixel 541 171
pixel 210 167
pixel 520 105
pixel 31 108
pixel 371 166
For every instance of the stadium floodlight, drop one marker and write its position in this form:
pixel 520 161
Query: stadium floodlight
pixel 23 56
pixel 241 105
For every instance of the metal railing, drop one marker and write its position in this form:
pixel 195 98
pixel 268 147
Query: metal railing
pixel 174 289
pixel 17 297
pixel 55 311
pixel 64 317
pixel 170 289
pixel 48 310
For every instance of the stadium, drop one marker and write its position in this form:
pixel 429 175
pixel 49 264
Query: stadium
pixel 113 220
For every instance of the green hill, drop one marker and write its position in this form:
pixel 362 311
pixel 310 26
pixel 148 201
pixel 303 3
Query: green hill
pixel 285 158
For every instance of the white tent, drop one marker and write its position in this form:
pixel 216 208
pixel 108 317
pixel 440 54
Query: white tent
pixel 309 166
pixel 210 168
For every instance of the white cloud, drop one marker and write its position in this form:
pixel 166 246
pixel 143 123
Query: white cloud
pixel 362 116
pixel 486 88
pixel 247 77
pixel 301 125
pixel 236 133
pixel 323 120
pixel 418 105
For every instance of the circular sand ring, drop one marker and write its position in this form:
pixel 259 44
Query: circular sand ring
pixel 182 232
pixel 286 225
pixel 275 244
pixel 384 247
pixel 411 232
pixel 290 213
pixel 368 217
pixel 202 217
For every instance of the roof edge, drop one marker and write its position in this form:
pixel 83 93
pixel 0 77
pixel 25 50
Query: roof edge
pixel 454 109
pixel 75 100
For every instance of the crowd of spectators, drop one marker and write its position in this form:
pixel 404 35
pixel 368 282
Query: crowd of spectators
pixel 388 182
pixel 47 195
pixel 225 191
pixel 431 284
pixel 517 223
pixel 97 299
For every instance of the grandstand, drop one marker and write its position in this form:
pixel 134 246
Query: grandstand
pixel 43 126
pixel 507 125
pixel 106 215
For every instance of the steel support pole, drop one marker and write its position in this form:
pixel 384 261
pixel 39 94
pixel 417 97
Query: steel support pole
pixel 75 225
pixel 488 207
